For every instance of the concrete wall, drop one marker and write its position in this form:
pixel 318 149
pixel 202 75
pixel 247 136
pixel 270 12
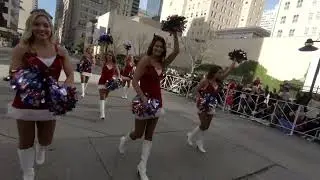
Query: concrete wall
pixel 280 56
pixel 125 29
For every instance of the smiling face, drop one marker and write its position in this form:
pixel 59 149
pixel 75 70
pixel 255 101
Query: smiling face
pixel 158 48
pixel 109 57
pixel 41 28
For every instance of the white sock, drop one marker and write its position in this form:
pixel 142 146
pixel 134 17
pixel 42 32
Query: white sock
pixel 83 88
pixel 102 106
pixel 125 92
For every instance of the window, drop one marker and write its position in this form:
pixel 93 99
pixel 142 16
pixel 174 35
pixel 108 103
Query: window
pixel 299 4
pixel 310 16
pixel 306 31
pixel 286 5
pixel 314 2
pixel 279 34
pixel 314 31
pixel 283 20
pixel 318 15
pixel 295 18
pixel 291 32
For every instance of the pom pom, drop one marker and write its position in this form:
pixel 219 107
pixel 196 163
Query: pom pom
pixel 85 66
pixel 113 84
pixel 142 110
pixel 127 45
pixel 238 55
pixel 106 39
pixel 208 102
pixel 30 84
pixel 174 23
pixel 61 99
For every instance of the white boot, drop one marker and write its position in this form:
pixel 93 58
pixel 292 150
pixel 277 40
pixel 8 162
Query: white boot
pixel 40 154
pixel 123 141
pixel 125 93
pixel 83 89
pixel 142 166
pixel 102 106
pixel 27 157
pixel 199 142
pixel 191 135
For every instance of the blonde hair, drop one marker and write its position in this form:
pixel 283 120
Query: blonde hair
pixel 27 36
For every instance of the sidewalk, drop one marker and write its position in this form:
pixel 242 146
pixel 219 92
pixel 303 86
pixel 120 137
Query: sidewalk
pixel 86 148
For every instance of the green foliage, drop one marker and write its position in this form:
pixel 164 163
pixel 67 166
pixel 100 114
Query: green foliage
pixel 205 67
pixel 252 69
pixel 121 59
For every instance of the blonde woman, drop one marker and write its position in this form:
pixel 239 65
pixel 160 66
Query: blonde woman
pixel 109 71
pixel 88 59
pixel 37 49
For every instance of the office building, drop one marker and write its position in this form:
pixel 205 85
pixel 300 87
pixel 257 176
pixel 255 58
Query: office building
pixel 73 15
pixel 9 18
pixel 135 7
pixel 26 8
pixel 297 18
pixel 268 19
pixel 251 13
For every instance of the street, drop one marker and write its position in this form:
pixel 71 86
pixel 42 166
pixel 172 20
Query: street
pixel 86 147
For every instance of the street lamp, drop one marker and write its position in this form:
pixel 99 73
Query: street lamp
pixel 308 46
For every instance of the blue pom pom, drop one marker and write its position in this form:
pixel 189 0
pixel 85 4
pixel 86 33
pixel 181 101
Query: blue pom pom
pixel 140 109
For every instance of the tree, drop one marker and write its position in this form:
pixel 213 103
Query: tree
pixel 196 50
pixel 117 43
pixel 141 44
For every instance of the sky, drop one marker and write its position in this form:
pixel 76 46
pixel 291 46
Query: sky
pixel 50 5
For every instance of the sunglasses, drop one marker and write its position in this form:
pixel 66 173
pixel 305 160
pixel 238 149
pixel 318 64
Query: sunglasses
pixel 41 11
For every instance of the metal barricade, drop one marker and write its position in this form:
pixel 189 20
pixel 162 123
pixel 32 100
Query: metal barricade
pixel 289 117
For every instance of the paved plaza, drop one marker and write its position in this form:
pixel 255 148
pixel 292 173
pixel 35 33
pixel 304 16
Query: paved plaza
pixel 86 147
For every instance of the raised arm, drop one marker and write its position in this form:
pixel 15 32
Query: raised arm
pixel 228 70
pixel 67 67
pixel 175 51
pixel 137 76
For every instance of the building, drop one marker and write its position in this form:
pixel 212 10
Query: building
pixel 242 33
pixel 154 8
pixel 135 7
pixel 140 33
pixel 297 18
pixel 73 15
pixel 251 13
pixel 268 19
pixel 26 8
pixel 9 18
pixel 204 17
pixel 142 13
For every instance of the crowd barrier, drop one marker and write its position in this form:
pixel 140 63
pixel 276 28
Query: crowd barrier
pixel 290 118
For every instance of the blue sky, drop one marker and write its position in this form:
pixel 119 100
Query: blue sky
pixel 50 5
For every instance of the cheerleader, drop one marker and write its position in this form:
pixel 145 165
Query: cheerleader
pixel 37 49
pixel 149 72
pixel 87 61
pixel 109 70
pixel 210 84
pixel 126 74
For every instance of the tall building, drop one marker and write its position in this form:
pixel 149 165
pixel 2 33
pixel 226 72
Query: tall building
pixel 9 18
pixel 268 19
pixel 154 8
pixel 26 8
pixel 73 15
pixel 251 13
pixel 135 7
pixel 204 17
pixel 297 18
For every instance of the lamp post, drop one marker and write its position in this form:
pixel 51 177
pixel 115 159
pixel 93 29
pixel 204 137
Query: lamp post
pixel 308 46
